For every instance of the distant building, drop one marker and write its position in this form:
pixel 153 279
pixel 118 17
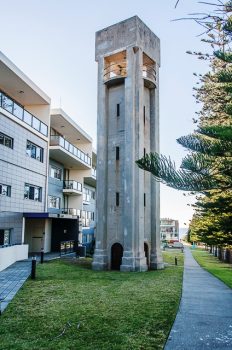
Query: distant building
pixel 169 229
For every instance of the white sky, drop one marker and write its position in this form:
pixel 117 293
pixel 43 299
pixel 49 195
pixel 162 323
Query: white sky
pixel 53 42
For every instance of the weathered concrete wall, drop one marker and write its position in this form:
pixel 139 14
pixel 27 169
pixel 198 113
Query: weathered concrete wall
pixel 131 32
pixel 135 219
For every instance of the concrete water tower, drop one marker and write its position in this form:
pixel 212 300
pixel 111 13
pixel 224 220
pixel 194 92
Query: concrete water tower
pixel 127 234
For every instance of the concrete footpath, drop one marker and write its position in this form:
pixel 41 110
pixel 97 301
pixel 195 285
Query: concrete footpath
pixel 204 319
pixel 11 280
pixel 14 276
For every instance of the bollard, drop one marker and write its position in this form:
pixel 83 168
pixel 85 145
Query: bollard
pixel 33 267
pixel 175 260
pixel 42 256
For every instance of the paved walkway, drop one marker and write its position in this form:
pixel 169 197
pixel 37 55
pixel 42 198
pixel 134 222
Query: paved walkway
pixel 204 320
pixel 14 276
pixel 11 280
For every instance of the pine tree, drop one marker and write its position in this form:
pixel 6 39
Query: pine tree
pixel 208 166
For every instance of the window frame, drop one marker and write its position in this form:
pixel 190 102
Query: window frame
pixel 5 138
pixel 50 197
pixel 35 148
pixel 56 169
pixel 117 150
pixel 8 190
pixel 117 199
pixel 118 110
pixel 9 233
pixel 34 187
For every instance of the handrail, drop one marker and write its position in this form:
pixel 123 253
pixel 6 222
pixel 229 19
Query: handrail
pixel 73 185
pixel 71 211
pixel 57 140
pixel 149 72
pixel 115 70
pixel 13 107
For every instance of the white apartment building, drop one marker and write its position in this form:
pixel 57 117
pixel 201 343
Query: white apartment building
pixel 169 230
pixel 47 171
pixel 71 185
pixel 24 126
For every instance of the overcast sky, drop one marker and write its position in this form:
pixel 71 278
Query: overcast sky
pixel 53 42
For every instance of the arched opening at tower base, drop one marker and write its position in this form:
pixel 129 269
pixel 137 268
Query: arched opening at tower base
pixel 116 256
pixel 146 252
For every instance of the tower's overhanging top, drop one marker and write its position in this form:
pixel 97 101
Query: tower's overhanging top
pixel 131 32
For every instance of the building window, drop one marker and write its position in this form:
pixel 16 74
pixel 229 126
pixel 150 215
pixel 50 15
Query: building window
pixel 117 199
pixel 5 237
pixel 117 153
pixel 92 194
pixel 144 152
pixel 86 218
pixel 33 192
pixel 53 202
pixel 86 194
pixel 5 190
pixel 55 172
pixel 6 140
pixel 118 110
pixel 34 151
pixel 144 199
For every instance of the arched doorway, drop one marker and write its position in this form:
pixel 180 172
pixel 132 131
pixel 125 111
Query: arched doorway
pixel 116 256
pixel 146 251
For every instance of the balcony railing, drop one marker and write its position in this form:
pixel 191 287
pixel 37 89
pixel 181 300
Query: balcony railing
pixel 94 172
pixel 115 70
pixel 71 211
pixel 67 247
pixel 149 72
pixel 72 185
pixel 19 112
pixel 86 197
pixel 56 140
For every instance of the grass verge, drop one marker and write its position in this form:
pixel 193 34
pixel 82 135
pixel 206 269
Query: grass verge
pixel 219 269
pixel 69 307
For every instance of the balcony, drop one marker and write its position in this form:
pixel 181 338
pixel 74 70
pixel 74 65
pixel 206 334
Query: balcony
pixel 90 179
pixel 68 154
pixel 72 188
pixel 71 212
pixel 149 71
pixel 22 114
pixel 115 69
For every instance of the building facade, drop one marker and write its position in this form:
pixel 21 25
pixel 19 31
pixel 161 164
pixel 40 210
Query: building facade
pixel 128 234
pixel 169 230
pixel 47 171
pixel 24 127
pixel 70 178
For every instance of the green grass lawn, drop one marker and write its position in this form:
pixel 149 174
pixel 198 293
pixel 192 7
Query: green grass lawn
pixel 219 269
pixel 69 306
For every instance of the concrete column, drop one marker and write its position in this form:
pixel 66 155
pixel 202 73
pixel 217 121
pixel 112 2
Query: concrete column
pixel 100 259
pixel 133 256
pixel 128 175
pixel 156 260
pixel 140 263
pixel 23 230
